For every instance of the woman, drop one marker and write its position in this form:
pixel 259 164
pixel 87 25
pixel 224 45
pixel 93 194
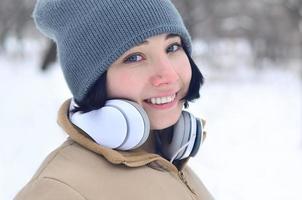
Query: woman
pixel 128 66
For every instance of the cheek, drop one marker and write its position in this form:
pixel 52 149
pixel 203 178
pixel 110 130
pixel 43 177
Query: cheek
pixel 187 74
pixel 184 69
pixel 122 84
pixel 116 84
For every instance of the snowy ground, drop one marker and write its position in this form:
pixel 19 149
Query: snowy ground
pixel 254 144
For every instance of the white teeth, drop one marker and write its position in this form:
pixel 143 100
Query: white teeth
pixel 159 100
pixel 153 101
pixel 162 100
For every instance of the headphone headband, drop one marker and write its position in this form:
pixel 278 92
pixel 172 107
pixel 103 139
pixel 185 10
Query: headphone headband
pixel 124 125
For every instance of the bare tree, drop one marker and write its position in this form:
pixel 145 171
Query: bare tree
pixel 273 27
pixel 15 17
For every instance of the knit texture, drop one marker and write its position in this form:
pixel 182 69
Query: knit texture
pixel 92 34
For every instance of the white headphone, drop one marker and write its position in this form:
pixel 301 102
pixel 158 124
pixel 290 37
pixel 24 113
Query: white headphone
pixel 124 125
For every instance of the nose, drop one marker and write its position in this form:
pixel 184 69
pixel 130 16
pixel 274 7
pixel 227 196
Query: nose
pixel 164 72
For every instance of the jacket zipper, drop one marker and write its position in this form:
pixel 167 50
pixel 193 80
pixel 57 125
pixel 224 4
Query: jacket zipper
pixel 183 179
pixel 179 174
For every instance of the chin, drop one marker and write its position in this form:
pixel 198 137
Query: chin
pixel 164 119
pixel 159 123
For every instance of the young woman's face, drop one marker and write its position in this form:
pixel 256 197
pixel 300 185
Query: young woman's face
pixel 156 74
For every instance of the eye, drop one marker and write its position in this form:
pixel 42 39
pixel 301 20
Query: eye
pixel 174 47
pixel 136 57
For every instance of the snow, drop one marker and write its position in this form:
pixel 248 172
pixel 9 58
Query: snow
pixel 253 147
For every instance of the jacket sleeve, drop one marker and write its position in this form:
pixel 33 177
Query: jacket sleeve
pixel 48 189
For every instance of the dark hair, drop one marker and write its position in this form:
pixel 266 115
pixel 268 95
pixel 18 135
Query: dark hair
pixel 95 98
pixel 196 82
pixel 97 95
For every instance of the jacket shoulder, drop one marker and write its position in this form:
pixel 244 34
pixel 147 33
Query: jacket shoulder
pixel 48 189
pixel 73 163
pixel 61 171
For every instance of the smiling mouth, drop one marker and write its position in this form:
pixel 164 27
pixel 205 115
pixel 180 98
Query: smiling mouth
pixel 161 100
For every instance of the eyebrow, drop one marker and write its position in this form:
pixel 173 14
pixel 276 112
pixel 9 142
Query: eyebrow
pixel 171 35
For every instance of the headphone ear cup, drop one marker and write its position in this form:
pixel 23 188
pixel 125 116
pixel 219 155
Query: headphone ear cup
pixel 199 137
pixel 187 135
pixel 98 125
pixel 191 136
pixel 145 120
pixel 169 149
pixel 138 125
pixel 120 124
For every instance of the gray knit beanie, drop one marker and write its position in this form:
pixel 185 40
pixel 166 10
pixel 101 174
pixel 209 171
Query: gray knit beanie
pixel 92 34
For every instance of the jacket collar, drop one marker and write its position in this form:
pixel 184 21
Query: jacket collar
pixel 134 158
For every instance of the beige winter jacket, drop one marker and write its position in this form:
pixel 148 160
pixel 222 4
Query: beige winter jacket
pixel 83 170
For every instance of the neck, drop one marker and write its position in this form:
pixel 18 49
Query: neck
pixel 150 145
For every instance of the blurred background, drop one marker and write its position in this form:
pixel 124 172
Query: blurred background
pixel 250 53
